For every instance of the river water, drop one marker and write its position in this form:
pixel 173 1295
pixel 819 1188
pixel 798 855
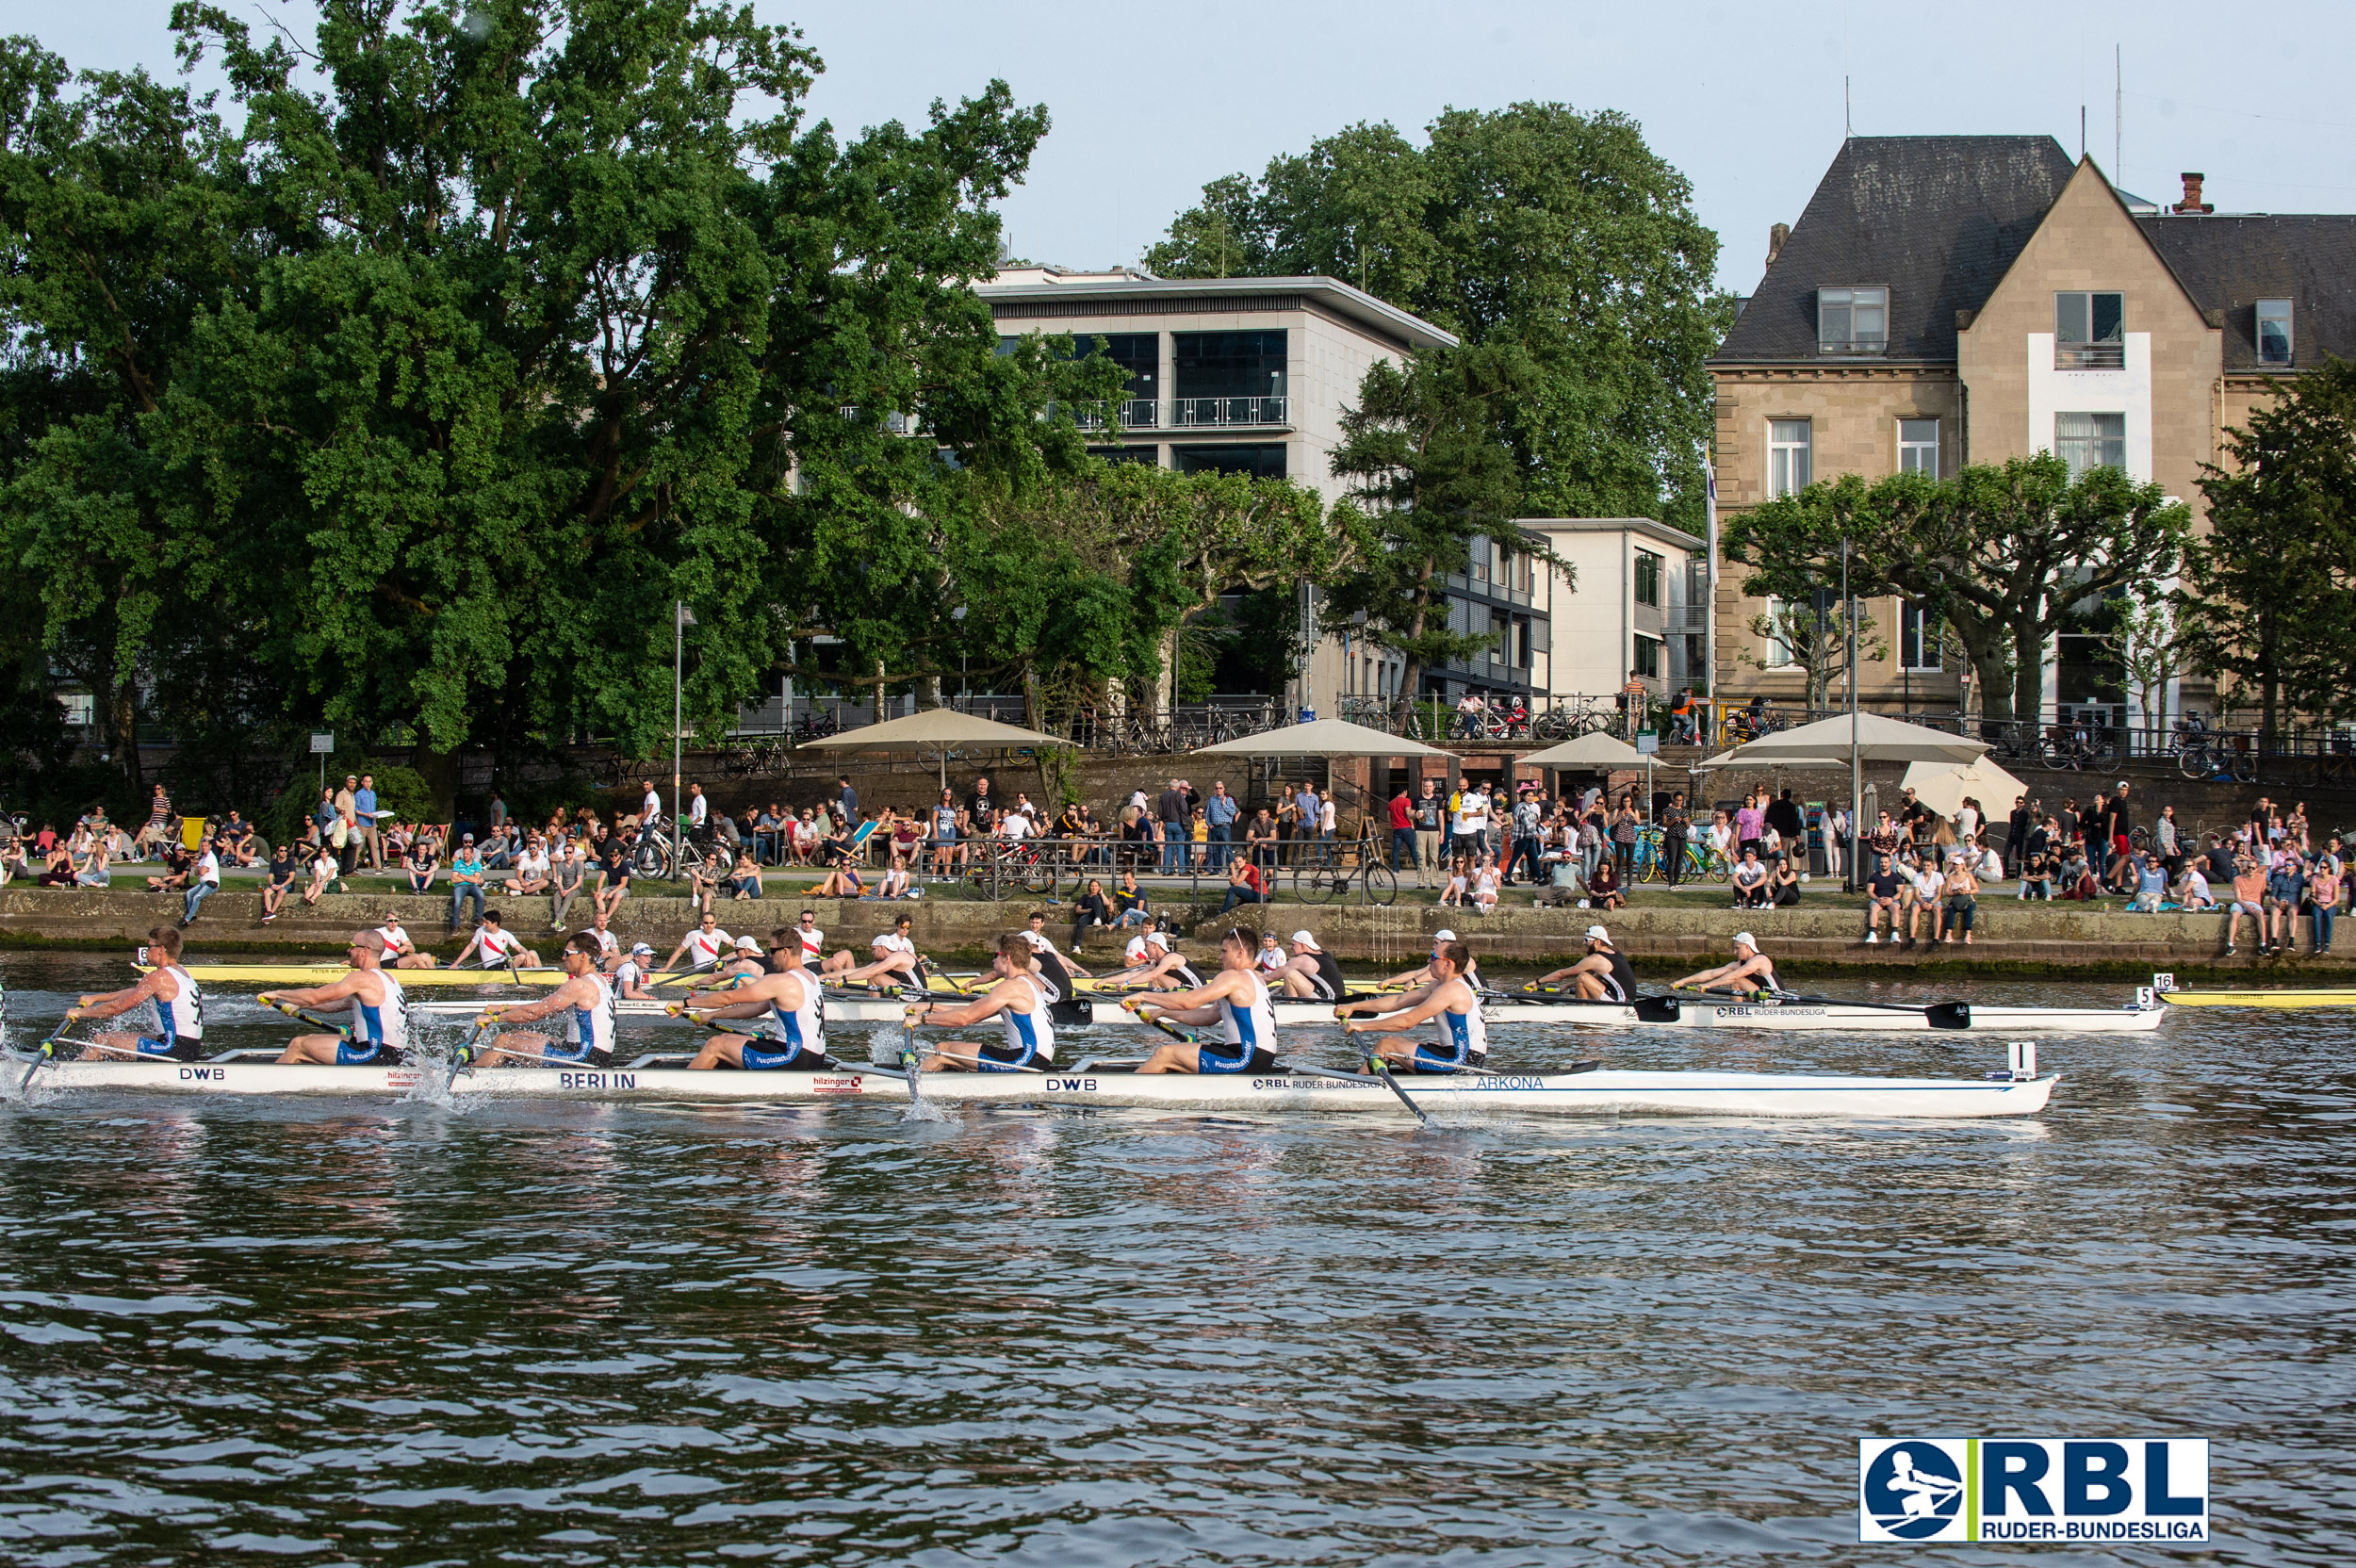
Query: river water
pixel 369 1334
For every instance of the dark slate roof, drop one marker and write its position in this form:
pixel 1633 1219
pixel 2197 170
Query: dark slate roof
pixel 2229 263
pixel 1935 219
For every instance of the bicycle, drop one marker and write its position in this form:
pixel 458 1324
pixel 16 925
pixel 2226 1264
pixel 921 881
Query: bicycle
pixel 1327 870
pixel 2202 755
pixel 2074 747
pixel 656 855
pixel 1021 865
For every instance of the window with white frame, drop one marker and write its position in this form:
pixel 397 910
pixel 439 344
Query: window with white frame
pixel 1918 447
pixel 1852 320
pixel 2089 331
pixel 2274 332
pixel 1787 456
pixel 1778 655
pixel 2087 441
pixel 1918 637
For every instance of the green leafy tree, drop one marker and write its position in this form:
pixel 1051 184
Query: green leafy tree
pixel 1535 229
pixel 1421 456
pixel 2269 595
pixel 2004 554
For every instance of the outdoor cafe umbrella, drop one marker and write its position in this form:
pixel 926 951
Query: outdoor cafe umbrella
pixel 1866 738
pixel 1942 786
pixel 938 730
pixel 1597 752
pixel 1322 738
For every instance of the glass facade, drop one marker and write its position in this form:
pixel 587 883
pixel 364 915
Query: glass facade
pixel 1150 456
pixel 1261 461
pixel 1138 352
pixel 1227 363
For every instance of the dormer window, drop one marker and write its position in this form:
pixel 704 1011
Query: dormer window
pixel 1852 320
pixel 2274 332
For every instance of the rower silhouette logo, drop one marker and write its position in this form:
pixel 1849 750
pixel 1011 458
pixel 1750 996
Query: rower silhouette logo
pixel 1913 1491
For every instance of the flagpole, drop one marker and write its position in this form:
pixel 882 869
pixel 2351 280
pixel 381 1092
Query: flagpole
pixel 1856 785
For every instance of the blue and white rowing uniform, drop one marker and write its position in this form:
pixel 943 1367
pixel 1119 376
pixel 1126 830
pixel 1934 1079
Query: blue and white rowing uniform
pixel 379 1034
pixel 801 1032
pixel 1247 1041
pixel 588 1031
pixel 1030 1037
pixel 1463 1040
pixel 180 1022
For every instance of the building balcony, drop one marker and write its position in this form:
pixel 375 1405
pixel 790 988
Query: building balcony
pixel 2090 356
pixel 1134 413
pixel 1228 412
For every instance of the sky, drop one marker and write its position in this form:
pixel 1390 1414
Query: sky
pixel 1151 100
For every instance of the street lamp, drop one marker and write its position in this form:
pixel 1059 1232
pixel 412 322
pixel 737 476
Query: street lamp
pixel 681 618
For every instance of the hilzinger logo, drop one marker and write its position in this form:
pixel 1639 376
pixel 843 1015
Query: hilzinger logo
pixel 2072 1490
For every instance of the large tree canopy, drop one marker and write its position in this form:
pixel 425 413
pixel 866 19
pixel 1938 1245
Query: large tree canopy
pixel 417 395
pixel 1534 231
pixel 2005 554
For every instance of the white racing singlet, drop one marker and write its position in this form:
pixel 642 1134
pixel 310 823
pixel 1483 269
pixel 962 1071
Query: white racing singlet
pixel 1031 1033
pixel 704 947
pixel 1465 1036
pixel 183 1017
pixel 387 1024
pixel 1251 1029
pixel 590 1030
pixel 496 945
pixel 804 1027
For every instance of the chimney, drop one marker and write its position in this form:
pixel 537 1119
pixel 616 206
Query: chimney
pixel 1776 235
pixel 2192 201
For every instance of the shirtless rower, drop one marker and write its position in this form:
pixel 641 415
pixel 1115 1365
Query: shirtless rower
pixel 1019 1001
pixel 1311 973
pixel 1235 1000
pixel 896 963
pixel 1751 972
pixel 499 947
pixel 581 1007
pixel 1463 1036
pixel 380 1014
pixel 1602 975
pixel 786 1032
pixel 1416 978
pixel 179 1008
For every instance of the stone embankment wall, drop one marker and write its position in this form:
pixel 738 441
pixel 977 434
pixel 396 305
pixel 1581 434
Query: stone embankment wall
pixel 2014 936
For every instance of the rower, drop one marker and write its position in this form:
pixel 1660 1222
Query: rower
pixel 1311 973
pixel 380 1014
pixel 609 946
pixel 1751 973
pixel 583 1006
pixel 702 946
pixel 1019 1000
pixel 895 965
pixel 1036 928
pixel 1602 975
pixel 746 960
pixel 400 951
pixel 1065 1009
pixel 1152 961
pixel 498 946
pixel 1237 1000
pixel 179 1010
pixel 788 1033
pixel 1271 959
pixel 1449 998
pixel 629 980
pixel 1416 978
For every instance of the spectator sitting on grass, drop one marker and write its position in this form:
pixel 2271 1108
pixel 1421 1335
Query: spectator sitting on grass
pixel 2151 884
pixel 1603 888
pixel 1749 879
pixel 324 877
pixel 1245 885
pixel 2077 877
pixel 2036 876
pixel 2192 889
pixel 177 863
pixel 1783 884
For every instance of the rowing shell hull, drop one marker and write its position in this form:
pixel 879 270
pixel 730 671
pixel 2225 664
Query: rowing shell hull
pixel 1837 1017
pixel 1596 1093
pixel 2261 999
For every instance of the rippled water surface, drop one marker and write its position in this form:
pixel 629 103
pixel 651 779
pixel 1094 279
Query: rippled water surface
pixel 400 1334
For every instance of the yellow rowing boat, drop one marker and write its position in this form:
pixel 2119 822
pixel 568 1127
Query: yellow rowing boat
pixel 2343 997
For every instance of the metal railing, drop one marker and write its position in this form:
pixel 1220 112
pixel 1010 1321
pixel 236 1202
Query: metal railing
pixel 2090 356
pixel 1352 870
pixel 1188 413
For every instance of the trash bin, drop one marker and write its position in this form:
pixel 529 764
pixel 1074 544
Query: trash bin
pixel 1308 716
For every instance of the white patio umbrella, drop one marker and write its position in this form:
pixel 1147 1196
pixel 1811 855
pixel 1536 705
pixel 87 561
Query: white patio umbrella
pixel 1597 752
pixel 1322 738
pixel 1876 739
pixel 1941 786
pixel 938 730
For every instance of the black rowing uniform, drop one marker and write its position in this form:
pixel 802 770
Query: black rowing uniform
pixel 1064 1008
pixel 1327 983
pixel 1620 985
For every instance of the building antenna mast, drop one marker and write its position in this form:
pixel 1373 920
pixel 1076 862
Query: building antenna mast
pixel 2118 112
pixel 1848 126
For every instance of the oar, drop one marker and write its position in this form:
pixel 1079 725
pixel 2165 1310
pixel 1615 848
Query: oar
pixel 462 1056
pixel 1382 1070
pixel 295 1013
pixel 43 1053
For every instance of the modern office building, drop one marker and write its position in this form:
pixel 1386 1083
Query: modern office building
pixel 1624 594
pixel 1252 375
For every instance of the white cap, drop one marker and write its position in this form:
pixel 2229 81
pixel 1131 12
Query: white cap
pixel 1304 939
pixel 1744 939
pixel 748 944
pixel 1442 935
pixel 1598 934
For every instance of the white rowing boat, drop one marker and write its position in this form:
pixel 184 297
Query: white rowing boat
pixel 1596 1092
pixel 1503 1012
